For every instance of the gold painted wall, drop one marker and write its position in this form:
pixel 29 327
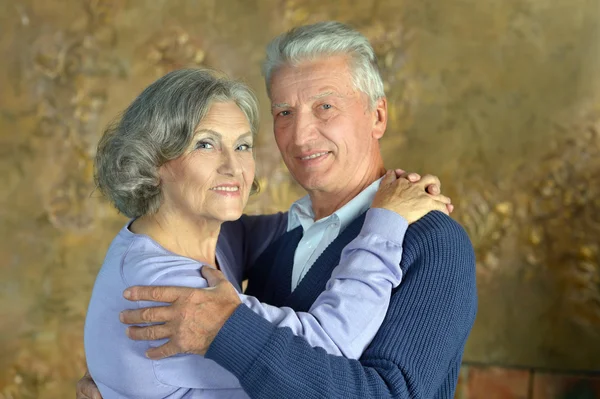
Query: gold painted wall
pixel 500 98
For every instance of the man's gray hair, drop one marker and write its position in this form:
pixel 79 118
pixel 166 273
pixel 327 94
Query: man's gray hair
pixel 157 127
pixel 311 42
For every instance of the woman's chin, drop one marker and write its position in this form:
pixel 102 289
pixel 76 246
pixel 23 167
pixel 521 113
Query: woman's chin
pixel 230 215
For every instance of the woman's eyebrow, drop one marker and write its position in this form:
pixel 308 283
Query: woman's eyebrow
pixel 243 136
pixel 210 131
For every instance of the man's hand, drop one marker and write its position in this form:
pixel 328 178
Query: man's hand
pixel 191 322
pixel 411 196
pixel 86 388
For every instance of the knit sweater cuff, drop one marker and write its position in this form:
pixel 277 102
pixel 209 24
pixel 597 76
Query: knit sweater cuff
pixel 385 224
pixel 240 341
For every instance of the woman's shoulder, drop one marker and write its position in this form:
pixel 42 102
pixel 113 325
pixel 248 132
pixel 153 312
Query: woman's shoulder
pixel 147 263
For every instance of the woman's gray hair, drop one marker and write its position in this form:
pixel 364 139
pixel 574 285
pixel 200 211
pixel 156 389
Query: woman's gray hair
pixel 311 42
pixel 157 127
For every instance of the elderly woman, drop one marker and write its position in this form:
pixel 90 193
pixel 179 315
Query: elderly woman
pixel 180 164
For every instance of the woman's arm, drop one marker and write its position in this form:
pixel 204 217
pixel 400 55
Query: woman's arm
pixel 346 316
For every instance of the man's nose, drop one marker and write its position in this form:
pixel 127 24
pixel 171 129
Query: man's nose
pixel 305 128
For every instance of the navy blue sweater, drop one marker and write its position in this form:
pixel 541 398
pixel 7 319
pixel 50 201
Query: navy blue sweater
pixel 416 353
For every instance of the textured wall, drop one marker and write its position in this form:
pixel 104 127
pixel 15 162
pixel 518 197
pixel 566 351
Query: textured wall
pixel 500 98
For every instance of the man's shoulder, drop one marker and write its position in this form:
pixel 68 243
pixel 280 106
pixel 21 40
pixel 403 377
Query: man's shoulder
pixel 438 239
pixel 438 227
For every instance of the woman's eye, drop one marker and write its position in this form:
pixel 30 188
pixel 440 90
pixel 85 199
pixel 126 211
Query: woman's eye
pixel 203 145
pixel 244 147
pixel 326 106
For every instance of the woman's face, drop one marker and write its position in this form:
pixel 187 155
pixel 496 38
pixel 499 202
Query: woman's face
pixel 213 178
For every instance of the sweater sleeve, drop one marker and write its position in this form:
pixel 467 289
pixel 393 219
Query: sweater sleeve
pixel 347 315
pixel 417 347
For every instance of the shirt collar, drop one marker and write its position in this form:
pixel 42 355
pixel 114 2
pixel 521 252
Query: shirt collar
pixel 301 212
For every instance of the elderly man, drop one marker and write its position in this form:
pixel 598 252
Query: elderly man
pixel 329 112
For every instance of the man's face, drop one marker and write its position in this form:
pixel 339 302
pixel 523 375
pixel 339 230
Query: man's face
pixel 327 135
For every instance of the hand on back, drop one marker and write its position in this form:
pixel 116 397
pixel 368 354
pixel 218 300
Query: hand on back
pixel 86 388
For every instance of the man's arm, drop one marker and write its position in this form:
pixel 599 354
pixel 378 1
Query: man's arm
pixel 419 343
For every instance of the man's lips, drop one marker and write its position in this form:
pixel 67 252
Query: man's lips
pixel 314 155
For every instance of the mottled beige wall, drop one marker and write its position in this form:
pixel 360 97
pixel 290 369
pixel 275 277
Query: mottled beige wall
pixel 500 98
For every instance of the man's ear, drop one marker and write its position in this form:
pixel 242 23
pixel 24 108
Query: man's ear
pixel 381 115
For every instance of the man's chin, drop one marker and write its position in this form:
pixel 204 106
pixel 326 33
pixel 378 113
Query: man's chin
pixel 315 183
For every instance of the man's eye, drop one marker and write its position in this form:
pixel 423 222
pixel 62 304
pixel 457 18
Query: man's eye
pixel 244 147
pixel 203 145
pixel 326 106
pixel 284 113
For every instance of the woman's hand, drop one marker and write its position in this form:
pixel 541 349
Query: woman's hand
pixel 410 195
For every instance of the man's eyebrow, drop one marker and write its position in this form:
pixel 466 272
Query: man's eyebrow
pixel 321 95
pixel 315 97
pixel 279 105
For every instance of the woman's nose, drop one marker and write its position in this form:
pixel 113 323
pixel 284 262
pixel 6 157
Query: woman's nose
pixel 230 165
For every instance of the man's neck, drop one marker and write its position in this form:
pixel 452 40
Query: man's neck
pixel 326 203
pixel 195 238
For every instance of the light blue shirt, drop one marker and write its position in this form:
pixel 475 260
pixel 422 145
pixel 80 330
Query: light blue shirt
pixel 318 235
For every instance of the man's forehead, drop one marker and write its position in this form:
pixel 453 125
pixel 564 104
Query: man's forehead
pixel 309 95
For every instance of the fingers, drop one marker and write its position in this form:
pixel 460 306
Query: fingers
pixel 87 389
pixel 156 294
pixel 399 172
pixel 159 314
pixel 149 333
pixel 439 206
pixel 429 180
pixel 442 203
pixel 89 393
pixel 85 392
pixel 411 177
pixel 387 179
pixel 441 198
pixel 166 350
pixel 433 189
pixel 435 205
pixel 212 276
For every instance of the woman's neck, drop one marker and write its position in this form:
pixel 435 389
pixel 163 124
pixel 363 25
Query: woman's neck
pixel 184 235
